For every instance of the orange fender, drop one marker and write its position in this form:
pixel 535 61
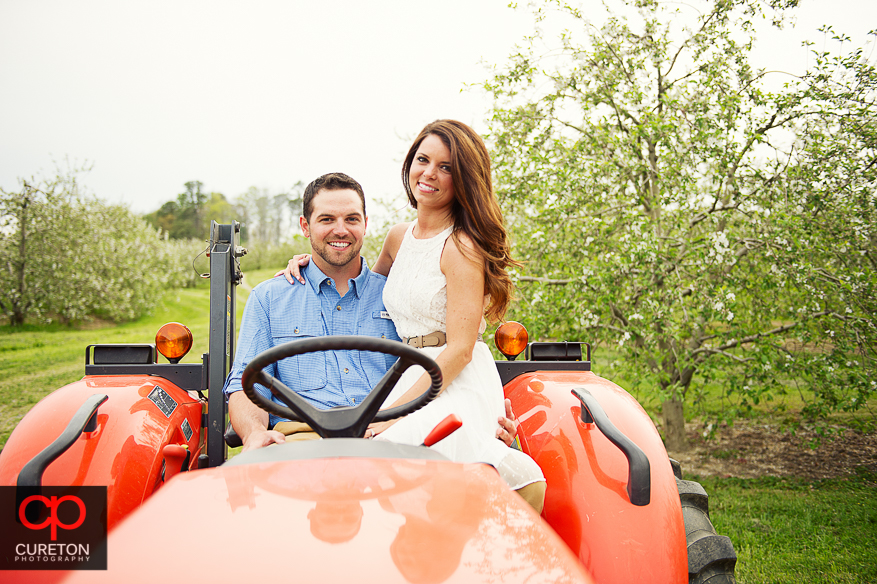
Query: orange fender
pixel 587 501
pixel 125 452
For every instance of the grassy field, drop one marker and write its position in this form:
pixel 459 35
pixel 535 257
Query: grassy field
pixel 784 529
pixel 795 530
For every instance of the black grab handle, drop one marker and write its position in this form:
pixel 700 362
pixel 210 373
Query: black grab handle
pixel 639 481
pixel 30 479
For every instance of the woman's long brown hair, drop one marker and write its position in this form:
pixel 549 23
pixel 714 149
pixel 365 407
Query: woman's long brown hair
pixel 475 210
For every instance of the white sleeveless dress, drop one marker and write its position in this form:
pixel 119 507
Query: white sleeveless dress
pixel 416 296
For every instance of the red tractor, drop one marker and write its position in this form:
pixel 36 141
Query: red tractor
pixel 342 508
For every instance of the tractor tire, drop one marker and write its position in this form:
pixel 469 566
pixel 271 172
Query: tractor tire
pixel 711 557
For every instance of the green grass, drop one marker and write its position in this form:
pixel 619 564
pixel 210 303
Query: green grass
pixel 252 278
pixel 795 530
pixel 37 360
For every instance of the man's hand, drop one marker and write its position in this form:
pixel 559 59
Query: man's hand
pixel 251 423
pixel 508 426
pixel 262 438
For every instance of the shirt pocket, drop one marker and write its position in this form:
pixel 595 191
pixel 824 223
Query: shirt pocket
pixel 375 365
pixel 305 372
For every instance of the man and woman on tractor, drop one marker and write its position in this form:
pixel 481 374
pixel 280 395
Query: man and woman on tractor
pixel 448 272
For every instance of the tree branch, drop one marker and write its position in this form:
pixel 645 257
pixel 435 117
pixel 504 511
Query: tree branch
pixel 542 280
pixel 752 338
pixel 683 45
pixel 726 354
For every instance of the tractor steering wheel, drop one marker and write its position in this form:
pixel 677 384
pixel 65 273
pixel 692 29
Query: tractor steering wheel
pixel 345 421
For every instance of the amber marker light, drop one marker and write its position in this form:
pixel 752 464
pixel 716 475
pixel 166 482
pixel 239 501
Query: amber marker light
pixel 511 339
pixel 173 340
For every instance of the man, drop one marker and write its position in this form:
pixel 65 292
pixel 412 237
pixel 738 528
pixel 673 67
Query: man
pixel 341 296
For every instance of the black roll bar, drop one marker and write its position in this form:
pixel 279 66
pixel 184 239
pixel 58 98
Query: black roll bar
pixel 225 274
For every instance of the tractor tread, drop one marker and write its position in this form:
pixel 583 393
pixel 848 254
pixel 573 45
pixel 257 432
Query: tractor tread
pixel 710 550
pixel 711 557
pixel 692 494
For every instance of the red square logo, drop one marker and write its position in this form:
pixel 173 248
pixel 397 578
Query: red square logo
pixel 53 528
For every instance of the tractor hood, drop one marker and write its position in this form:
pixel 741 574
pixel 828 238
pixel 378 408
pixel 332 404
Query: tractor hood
pixel 337 510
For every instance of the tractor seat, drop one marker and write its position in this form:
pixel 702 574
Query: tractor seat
pixel 232 438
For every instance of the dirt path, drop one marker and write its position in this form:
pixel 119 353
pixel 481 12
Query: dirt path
pixel 750 449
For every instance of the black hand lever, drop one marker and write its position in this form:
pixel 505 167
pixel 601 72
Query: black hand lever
pixel 639 482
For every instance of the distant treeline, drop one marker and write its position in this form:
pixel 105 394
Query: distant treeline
pixel 265 218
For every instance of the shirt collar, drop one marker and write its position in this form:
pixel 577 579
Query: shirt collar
pixel 315 277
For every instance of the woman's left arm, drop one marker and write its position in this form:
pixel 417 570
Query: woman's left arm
pixel 465 278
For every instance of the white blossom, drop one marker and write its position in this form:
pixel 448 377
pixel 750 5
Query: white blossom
pixel 588 319
pixel 720 248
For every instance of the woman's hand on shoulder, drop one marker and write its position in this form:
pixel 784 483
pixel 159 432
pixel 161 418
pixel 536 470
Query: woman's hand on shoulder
pixel 390 248
pixel 293 268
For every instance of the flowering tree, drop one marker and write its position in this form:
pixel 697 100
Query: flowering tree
pixel 665 203
pixel 68 257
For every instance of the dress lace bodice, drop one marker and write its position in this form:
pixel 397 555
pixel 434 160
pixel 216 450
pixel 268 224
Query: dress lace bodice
pixel 416 293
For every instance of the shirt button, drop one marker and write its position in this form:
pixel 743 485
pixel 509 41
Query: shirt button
pixel 383 336
pixel 295 331
pixel 338 307
pixel 346 370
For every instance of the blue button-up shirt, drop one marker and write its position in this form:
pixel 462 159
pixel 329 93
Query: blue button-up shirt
pixel 278 312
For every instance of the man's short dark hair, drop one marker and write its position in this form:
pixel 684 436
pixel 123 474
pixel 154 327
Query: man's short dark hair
pixel 334 181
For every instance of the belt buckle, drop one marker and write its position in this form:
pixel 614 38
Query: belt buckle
pixel 430 340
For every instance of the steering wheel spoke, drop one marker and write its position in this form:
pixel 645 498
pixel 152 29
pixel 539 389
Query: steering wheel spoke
pixel 344 421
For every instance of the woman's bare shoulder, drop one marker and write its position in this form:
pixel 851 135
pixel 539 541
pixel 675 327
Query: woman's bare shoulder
pixel 466 242
pixel 395 237
pixel 397 231
pixel 461 247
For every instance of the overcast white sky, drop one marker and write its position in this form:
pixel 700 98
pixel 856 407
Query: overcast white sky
pixel 265 92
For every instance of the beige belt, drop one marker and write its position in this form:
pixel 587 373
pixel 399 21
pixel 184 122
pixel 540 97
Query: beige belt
pixel 436 339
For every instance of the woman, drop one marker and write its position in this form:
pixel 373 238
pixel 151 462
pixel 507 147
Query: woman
pixel 445 271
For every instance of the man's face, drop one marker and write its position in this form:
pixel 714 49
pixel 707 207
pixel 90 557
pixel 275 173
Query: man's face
pixel 336 227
